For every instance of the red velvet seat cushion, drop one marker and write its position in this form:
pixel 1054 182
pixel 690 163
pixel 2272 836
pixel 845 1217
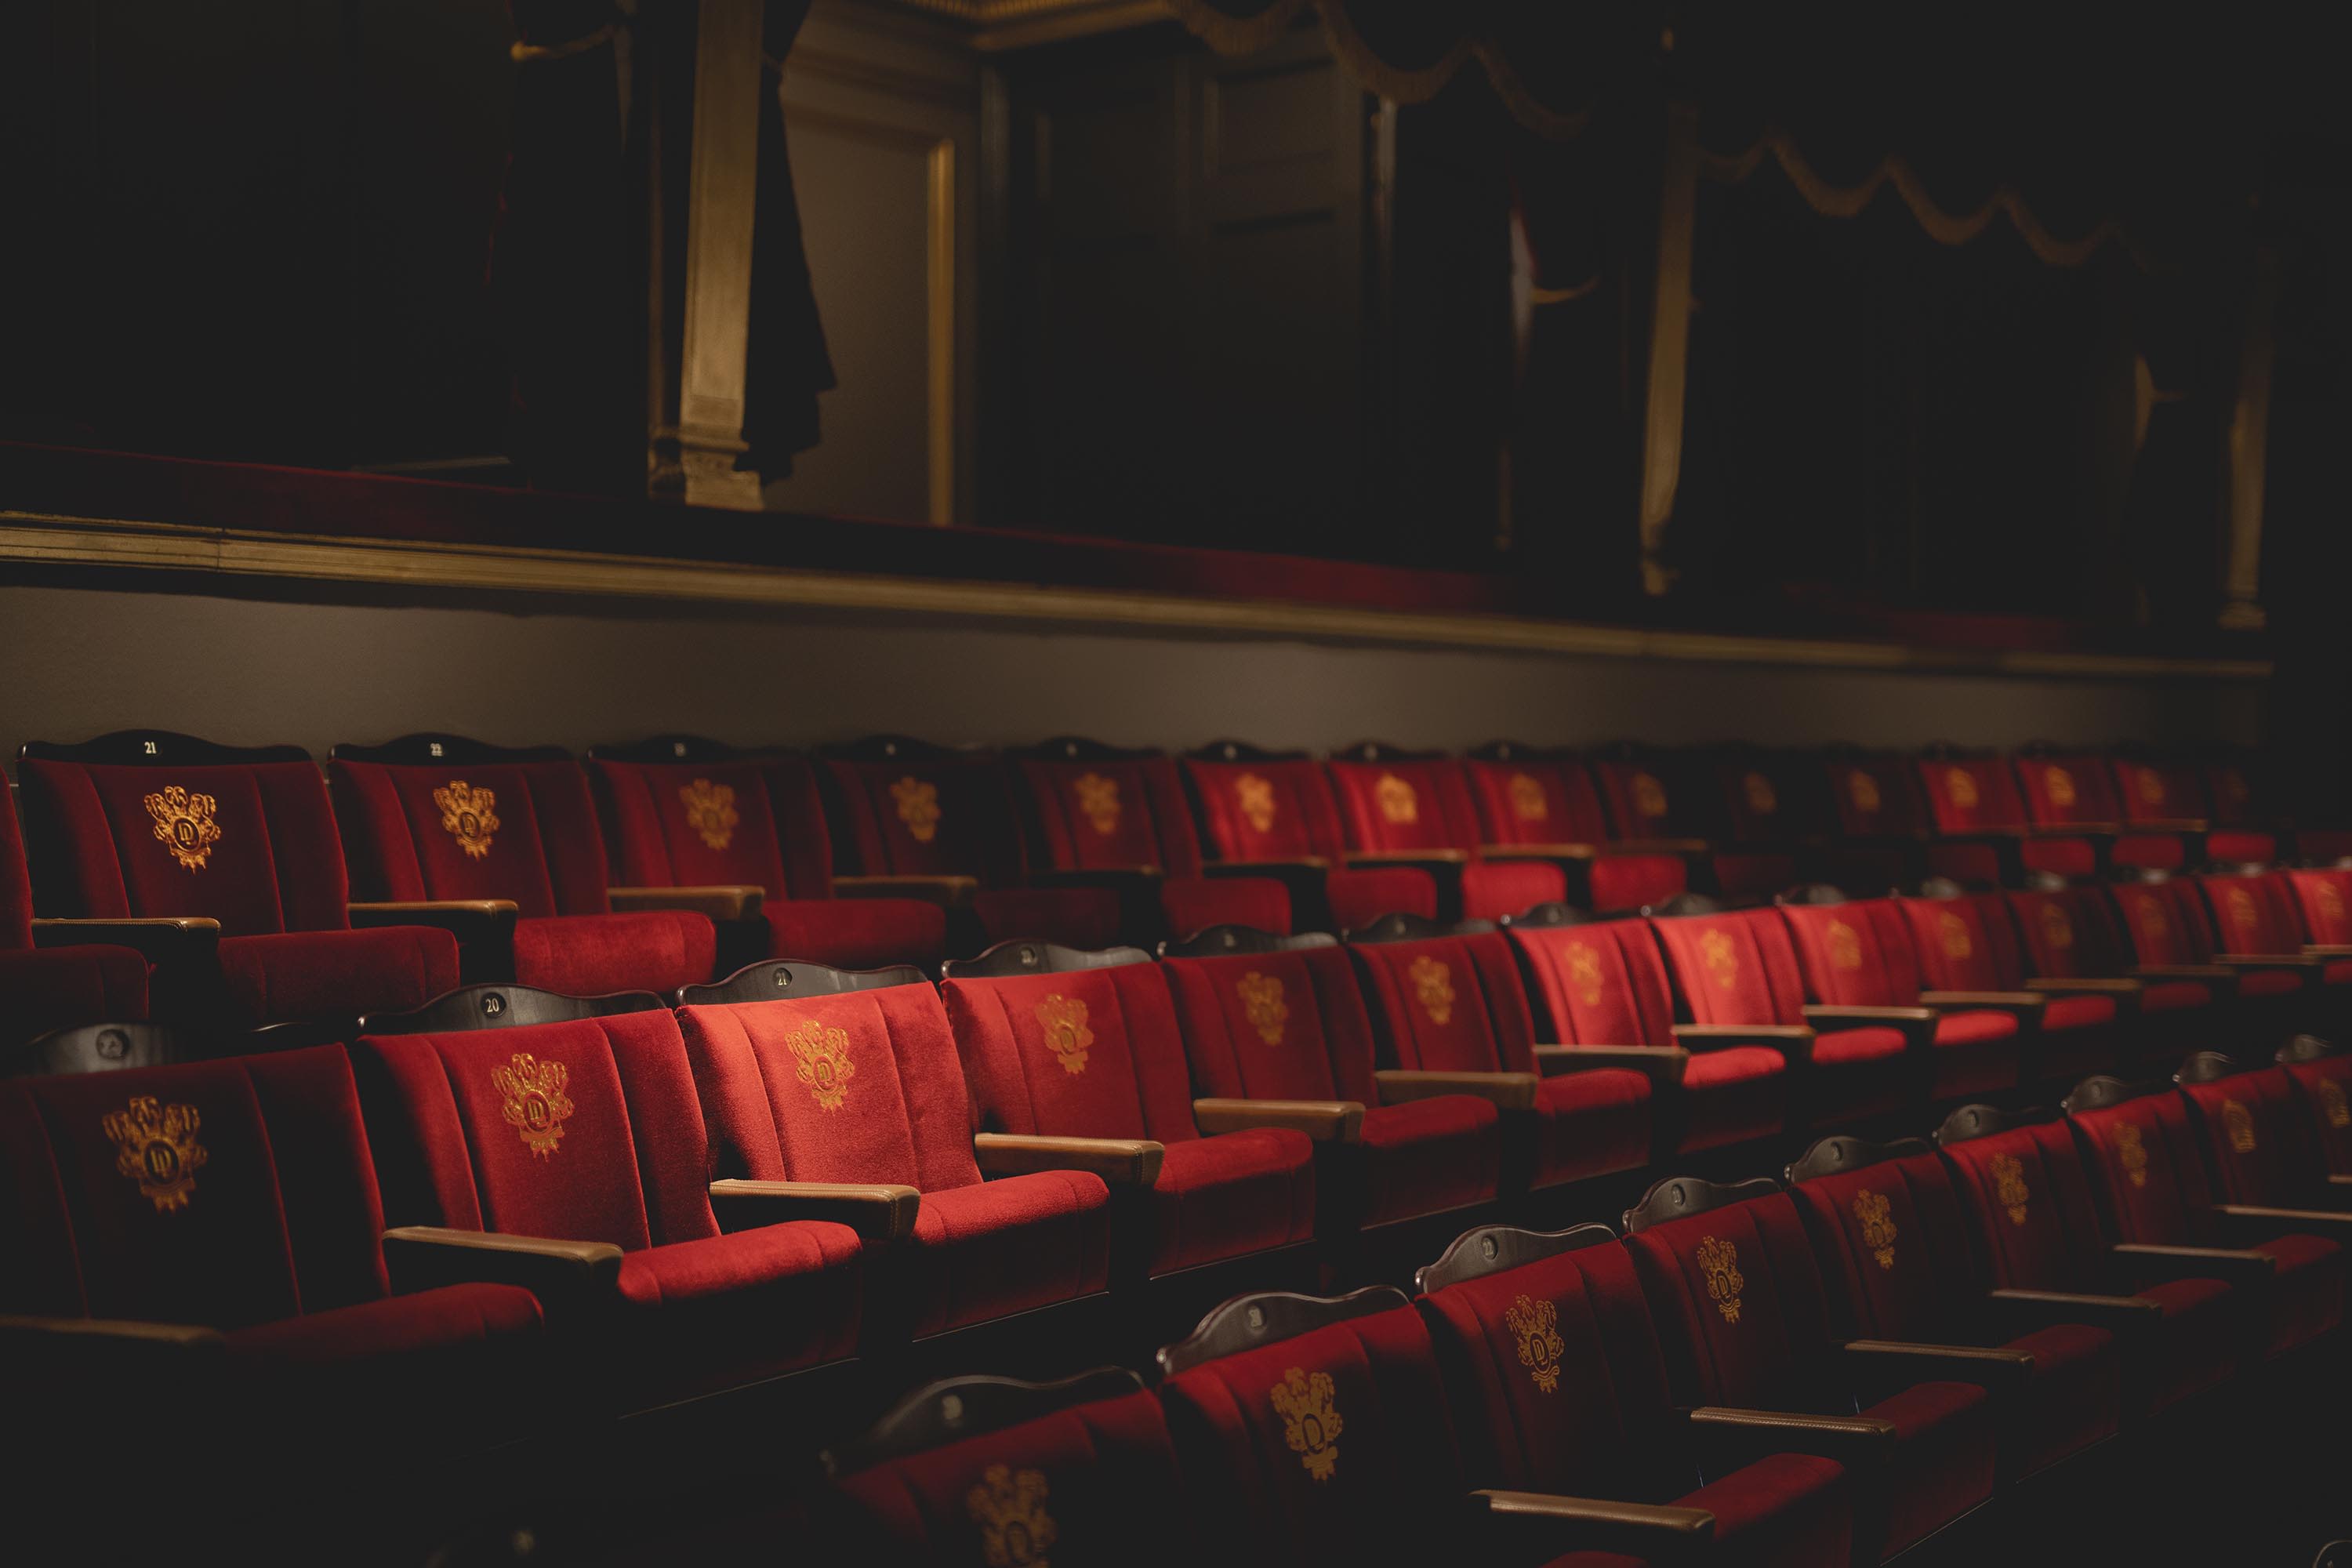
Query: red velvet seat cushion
pixel 856 933
pixel 2336 972
pixel 2074 1398
pixel 1860 1072
pixel 2324 1089
pixel 1732 1094
pixel 1494 888
pixel 314 974
pixel 1359 897
pixel 2175 995
pixel 2195 1351
pixel 2269 982
pixel 1592 1124
pixel 994 1248
pixel 1944 1458
pixel 2310 1286
pixel 1635 881
pixel 1871 1043
pixel 444 1321
pixel 2066 1013
pixel 589 955
pixel 1785 1509
pixel 1976 1054
pixel 1084 918
pixel 66 987
pixel 1233 1194
pixel 1426 1156
pixel 724 1309
pixel 1190 904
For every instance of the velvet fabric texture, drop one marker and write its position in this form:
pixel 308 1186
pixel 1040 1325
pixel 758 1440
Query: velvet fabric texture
pixel 1619 883
pixel 66 987
pixel 2258 1139
pixel 867 1088
pixel 1084 918
pixel 15 882
pixel 1097 1053
pixel 2068 792
pixel 1106 814
pixel 1409 804
pixel 1550 800
pixel 2325 1089
pixel 856 933
pixel 1876 798
pixel 1454 1004
pixel 1283 809
pixel 927 814
pixel 1192 904
pixel 1292 1026
pixel 1645 797
pixel 2151 793
pixel 1969 944
pixel 321 974
pixel 1860 954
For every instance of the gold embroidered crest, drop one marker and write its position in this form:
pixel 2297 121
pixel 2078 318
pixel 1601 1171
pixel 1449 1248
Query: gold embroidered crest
pixel 1719 1261
pixel 2331 1102
pixel 1310 1423
pixel 2239 1123
pixel 919 808
pixel 2057 928
pixel 1649 796
pixel 1528 802
pixel 2331 904
pixel 2059 785
pixel 1063 1020
pixel 1433 981
pixel 467 815
pixel 1719 959
pixel 2240 905
pixel 535 1104
pixel 1262 1005
pixel 1961 788
pixel 711 811
pixel 1953 932
pixel 1869 1210
pixel 1536 1325
pixel 1015 1531
pixel 2233 787
pixel 1099 800
pixel 2151 786
pixel 1762 799
pixel 185 823
pixel 1396 799
pixel 820 1060
pixel 1584 974
pixel 1255 797
pixel 2131 1154
pixel 2152 918
pixel 1845 947
pixel 156 1145
pixel 1862 790
pixel 2009 1187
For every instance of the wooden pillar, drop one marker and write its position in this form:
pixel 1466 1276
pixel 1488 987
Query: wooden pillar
pixel 1662 433
pixel 2242 581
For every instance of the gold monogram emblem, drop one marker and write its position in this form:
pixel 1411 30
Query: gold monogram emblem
pixel 1870 1210
pixel 2331 904
pixel 1527 802
pixel 2152 918
pixel 1262 1005
pixel 711 811
pixel 919 808
pixel 535 1104
pixel 2240 905
pixel 1015 1531
pixel 1256 797
pixel 1099 800
pixel 2009 1187
pixel 1845 948
pixel 1719 1261
pixel 1862 790
pixel 2057 928
pixel 1584 974
pixel 1719 959
pixel 820 1060
pixel 1961 788
pixel 1433 981
pixel 1649 796
pixel 468 815
pixel 2151 786
pixel 2239 1123
pixel 2059 785
pixel 1310 1424
pixel 1064 1020
pixel 2233 785
pixel 1536 1325
pixel 2331 1102
pixel 185 823
pixel 1762 799
pixel 1396 799
pixel 2131 1153
pixel 1954 933
pixel 156 1145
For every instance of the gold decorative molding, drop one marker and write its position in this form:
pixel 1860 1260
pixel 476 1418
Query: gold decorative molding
pixel 991 26
pixel 49 540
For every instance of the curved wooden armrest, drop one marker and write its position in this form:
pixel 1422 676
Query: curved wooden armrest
pixel 724 901
pixel 2233 1266
pixel 1552 1525
pixel 1793 1041
pixel 26 1338
pixel 1661 1065
pixel 1998 1369
pixel 564 1275
pixel 1539 851
pixel 876 1211
pixel 1658 846
pixel 2244 1221
pixel 1863 1444
pixel 192 939
pixel 1094 877
pixel 2326 950
pixel 1323 1120
pixel 2130 1318
pixel 2305 963
pixel 1121 1162
pixel 473 921
pixel 1408 856
pixel 1991 1001
pixel 1917 1023
pixel 947 893
pixel 2110 985
pixel 2219 972
pixel 1267 868
pixel 1507 1091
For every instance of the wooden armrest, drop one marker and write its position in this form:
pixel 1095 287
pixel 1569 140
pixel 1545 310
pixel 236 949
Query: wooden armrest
pixel 1659 846
pixel 1539 851
pixel 1094 877
pixel 1267 868
pixel 1863 1444
pixel 1508 1090
pixel 2218 972
pixel 2259 1219
pixel 1793 1041
pixel 1408 856
pixel 876 1211
pixel 1661 1065
pixel 1325 1121
pixel 44 1339
pixel 1917 1023
pixel 565 1276
pixel 2326 950
pixel 1990 1001
pixel 2232 1265
pixel 2305 965
pixel 1541 1526
pixel 192 939
pixel 727 901
pixel 1998 1369
pixel 1122 1162
pixel 2131 1318
pixel 947 893
pixel 471 920
pixel 2113 987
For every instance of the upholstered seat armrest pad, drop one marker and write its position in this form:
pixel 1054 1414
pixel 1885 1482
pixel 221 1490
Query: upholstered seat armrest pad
pixel 1661 1065
pixel 50 1341
pixel 876 1211
pixel 1539 852
pixel 1508 1090
pixel 2241 1222
pixel 1887 1366
pixel 1408 856
pixel 724 901
pixel 1917 1023
pixel 1793 1041
pixel 1728 1438
pixel 1121 1162
pixel 2154 1263
pixel 564 1275
pixel 190 939
pixel 1541 1525
pixel 2128 1318
pixel 947 893
pixel 1323 1120
pixel 470 920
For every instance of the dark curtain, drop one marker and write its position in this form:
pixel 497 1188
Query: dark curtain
pixel 788 364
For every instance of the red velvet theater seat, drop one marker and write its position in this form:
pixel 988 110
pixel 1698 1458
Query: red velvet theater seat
pixel 56 988
pixel 855 1080
pixel 2321 901
pixel 1968 942
pixel 1764 812
pixel 1059 1045
pixel 2143 1154
pixel 1276 807
pixel 1530 801
pixel 1980 815
pixel 1557 1386
pixel 942 822
pixel 2172 931
pixel 2260 1142
pixel 1093 811
pixel 590 1131
pixel 2030 1205
pixel 141 824
pixel 1274 1019
pixel 1448 1010
pixel 1732 1284
pixel 2074 795
pixel 2322 1074
pixel 682 812
pixel 2239 825
pixel 1418 805
pixel 2258 931
pixel 442 818
pixel 1878 824
pixel 2075 934
pixel 1893 1243
pixel 1600 986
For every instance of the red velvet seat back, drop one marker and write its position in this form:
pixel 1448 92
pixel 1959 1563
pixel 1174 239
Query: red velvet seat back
pixel 1972 794
pixel 1536 801
pixel 1599 984
pixel 926 814
pixel 1738 1297
pixel 2252 914
pixel 2149 792
pixel 2231 794
pixel 2030 1208
pixel 16 882
pixel 1737 968
pixel 1894 1249
pixel 1761 802
pixel 1405 803
pixel 686 825
pixel 1855 954
pixel 2323 901
pixel 525 831
pixel 1642 799
pixel 1528 1354
pixel 1965 944
pixel 1876 798
pixel 1089 1053
pixel 864 1087
pixel 226 1193
pixel 1371 1474
pixel 1267 809
pixel 2150 1175
pixel 1275 1025
pixel 2325 1086
pixel 2070 933
pixel 251 845
pixel 2068 792
pixel 584 1130
pixel 1622 882
pixel 1449 1003
pixel 1108 814
pixel 2166 922
pixel 2258 1138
